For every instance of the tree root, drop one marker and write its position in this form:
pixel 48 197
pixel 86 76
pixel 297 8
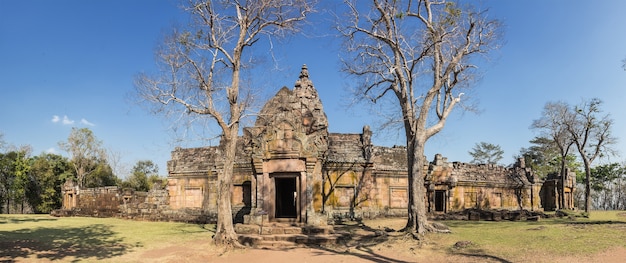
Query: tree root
pixel 435 227
pixel 227 241
pixel 431 227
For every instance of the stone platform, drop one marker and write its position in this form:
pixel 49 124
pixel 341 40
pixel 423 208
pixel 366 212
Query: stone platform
pixel 280 235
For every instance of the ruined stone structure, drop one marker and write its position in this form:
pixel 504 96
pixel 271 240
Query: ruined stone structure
pixel 552 188
pixel 290 168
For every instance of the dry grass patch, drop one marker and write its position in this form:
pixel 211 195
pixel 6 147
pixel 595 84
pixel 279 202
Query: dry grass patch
pixel 599 238
pixel 42 237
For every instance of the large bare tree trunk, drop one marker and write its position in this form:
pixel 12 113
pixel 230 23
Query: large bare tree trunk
pixel 562 189
pixel 587 185
pixel 224 231
pixel 420 51
pixel 197 64
pixel 417 221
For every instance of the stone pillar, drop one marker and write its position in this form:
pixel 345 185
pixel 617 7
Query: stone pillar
pixel 303 199
pixel 267 192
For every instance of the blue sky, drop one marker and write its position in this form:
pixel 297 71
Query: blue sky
pixel 70 64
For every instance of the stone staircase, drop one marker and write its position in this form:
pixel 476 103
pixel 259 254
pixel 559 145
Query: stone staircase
pixel 282 235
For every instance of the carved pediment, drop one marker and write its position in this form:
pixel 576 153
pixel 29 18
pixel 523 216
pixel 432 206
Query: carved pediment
pixel 292 124
pixel 283 140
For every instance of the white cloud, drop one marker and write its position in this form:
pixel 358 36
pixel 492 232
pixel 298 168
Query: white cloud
pixel 83 121
pixel 67 121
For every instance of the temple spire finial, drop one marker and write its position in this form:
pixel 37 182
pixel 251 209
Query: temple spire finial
pixel 304 73
pixel 303 80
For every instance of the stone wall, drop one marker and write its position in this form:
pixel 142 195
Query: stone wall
pixel 129 204
pixel 289 154
pixel 483 186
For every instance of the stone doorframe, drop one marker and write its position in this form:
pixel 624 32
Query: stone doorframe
pixel 264 198
pixel 273 194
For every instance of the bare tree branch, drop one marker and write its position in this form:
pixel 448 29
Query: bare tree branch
pixel 201 72
pixel 424 51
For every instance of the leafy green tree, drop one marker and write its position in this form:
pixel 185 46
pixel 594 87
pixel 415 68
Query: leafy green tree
pixel 544 158
pixel 21 181
pixel 101 175
pixel 15 179
pixel 86 153
pixel 540 156
pixel 486 153
pixel 603 178
pixel 142 174
pixel 7 177
pixel 49 172
pixel 157 180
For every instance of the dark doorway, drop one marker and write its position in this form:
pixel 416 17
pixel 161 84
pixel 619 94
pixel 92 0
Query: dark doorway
pixel 247 193
pixel 286 197
pixel 440 200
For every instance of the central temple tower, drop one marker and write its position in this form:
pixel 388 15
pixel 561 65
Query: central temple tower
pixel 288 144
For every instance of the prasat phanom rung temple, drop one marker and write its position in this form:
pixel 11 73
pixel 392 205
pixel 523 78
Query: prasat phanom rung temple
pixel 290 168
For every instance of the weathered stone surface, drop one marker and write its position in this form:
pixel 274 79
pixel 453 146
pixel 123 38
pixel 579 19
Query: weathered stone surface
pixel 289 168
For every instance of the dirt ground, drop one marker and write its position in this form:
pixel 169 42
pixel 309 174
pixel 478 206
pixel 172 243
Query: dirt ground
pixel 383 253
pixel 391 247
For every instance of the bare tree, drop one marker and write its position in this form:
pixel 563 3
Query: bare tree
pixel 201 72
pixel 552 125
pixel 423 52
pixel 119 168
pixel 2 142
pixel 85 152
pixel 592 136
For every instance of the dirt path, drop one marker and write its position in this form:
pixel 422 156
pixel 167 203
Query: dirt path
pixel 391 252
pixel 312 255
pixel 191 253
pixel 203 251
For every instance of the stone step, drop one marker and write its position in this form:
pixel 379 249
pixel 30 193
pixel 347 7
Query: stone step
pixel 276 245
pixel 315 230
pixel 280 229
pixel 284 237
pixel 281 240
pixel 323 240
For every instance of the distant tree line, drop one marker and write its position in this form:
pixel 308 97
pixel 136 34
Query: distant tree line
pixel 608 185
pixel 32 184
pixel 573 137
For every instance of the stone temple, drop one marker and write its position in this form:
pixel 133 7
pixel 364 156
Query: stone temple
pixel 290 168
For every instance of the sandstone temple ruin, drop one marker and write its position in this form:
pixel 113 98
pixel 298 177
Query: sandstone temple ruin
pixel 290 168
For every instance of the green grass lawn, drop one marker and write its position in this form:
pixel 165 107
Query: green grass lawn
pixel 557 237
pixel 82 238
pixel 46 238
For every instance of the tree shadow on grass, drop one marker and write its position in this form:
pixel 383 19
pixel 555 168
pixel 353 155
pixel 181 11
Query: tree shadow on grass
pixel 78 243
pixel 17 220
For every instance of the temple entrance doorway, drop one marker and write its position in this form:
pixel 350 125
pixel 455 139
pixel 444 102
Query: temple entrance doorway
pixel 440 201
pixel 286 197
